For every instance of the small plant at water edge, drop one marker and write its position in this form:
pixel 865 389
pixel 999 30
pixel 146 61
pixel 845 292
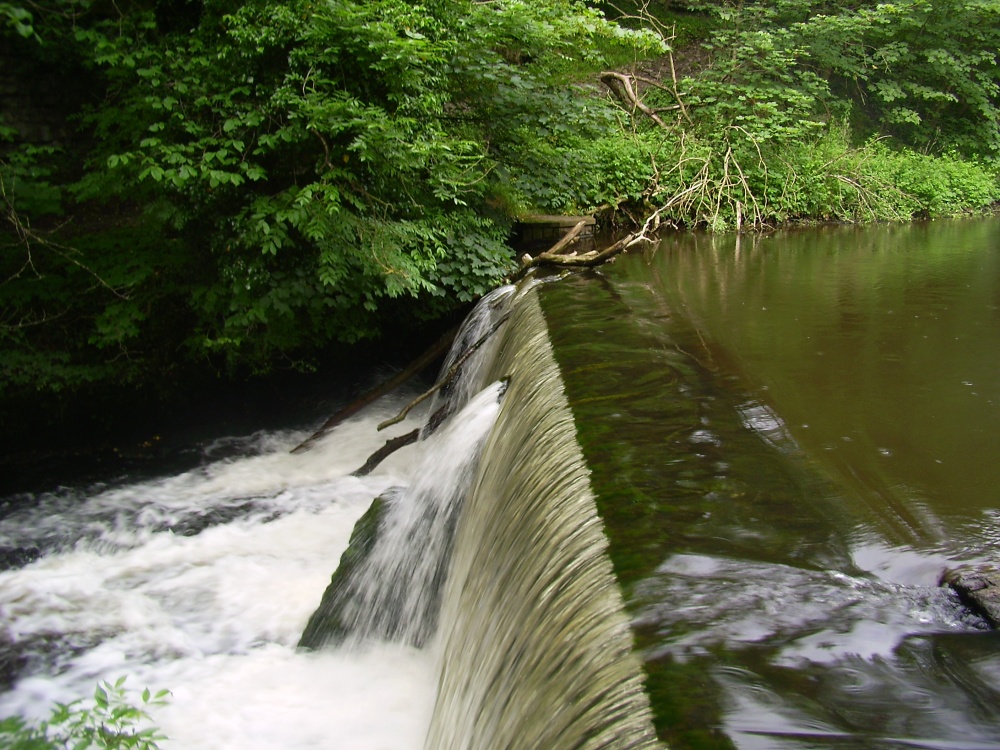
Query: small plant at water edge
pixel 113 721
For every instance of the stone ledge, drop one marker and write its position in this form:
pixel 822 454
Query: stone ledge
pixel 541 230
pixel 979 588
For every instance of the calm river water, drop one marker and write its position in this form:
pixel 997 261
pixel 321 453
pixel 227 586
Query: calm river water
pixel 792 437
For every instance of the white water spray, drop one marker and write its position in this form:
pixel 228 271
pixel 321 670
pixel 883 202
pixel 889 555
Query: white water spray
pixel 214 613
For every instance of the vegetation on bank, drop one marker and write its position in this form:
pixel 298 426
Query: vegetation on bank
pixel 239 186
pixel 814 111
pixel 113 720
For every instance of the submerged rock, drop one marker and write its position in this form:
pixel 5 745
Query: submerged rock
pixel 979 587
pixel 328 623
pixel 18 557
pixel 11 662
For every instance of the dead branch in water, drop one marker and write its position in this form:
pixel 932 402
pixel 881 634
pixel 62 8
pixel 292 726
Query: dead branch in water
pixel 555 257
pixel 436 350
pixel 448 377
pixel 567 239
pixel 391 446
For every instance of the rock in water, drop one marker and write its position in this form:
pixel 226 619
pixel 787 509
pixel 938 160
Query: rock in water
pixel 979 588
pixel 329 625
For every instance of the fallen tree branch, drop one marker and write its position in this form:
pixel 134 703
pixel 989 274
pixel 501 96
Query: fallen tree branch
pixel 391 446
pixel 595 257
pixel 436 350
pixel 568 238
pixel 620 85
pixel 448 377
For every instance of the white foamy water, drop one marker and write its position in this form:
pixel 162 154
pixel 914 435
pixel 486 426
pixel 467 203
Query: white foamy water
pixel 201 584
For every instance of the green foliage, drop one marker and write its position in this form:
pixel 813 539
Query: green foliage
pixel 18 18
pixel 622 168
pixel 923 71
pixel 758 135
pixel 729 180
pixel 757 85
pixel 290 174
pixel 257 181
pixel 935 186
pixel 112 721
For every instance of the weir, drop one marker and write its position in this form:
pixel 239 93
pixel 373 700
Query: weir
pixel 532 641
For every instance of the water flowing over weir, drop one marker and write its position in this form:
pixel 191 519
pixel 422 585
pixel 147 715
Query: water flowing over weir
pixel 403 543
pixel 533 644
pixel 482 612
pixel 788 440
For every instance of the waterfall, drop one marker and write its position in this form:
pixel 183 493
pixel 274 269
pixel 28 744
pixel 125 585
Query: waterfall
pixel 534 645
pixel 388 583
pixel 402 544
pixel 496 549
pixel 475 606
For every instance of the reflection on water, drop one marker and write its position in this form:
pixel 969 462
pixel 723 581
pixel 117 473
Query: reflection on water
pixel 792 437
pixel 880 348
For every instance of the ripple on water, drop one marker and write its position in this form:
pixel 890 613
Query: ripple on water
pixel 696 602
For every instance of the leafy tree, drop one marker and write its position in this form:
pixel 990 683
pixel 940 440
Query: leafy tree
pixel 247 183
pixel 805 110
pixel 275 176
pixel 17 17
pixel 110 721
pixel 923 71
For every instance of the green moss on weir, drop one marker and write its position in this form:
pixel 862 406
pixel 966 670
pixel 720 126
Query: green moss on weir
pixel 327 625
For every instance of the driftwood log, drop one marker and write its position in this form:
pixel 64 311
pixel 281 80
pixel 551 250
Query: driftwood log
pixel 394 444
pixel 435 351
pixel 448 376
pixel 391 446
pixel 557 255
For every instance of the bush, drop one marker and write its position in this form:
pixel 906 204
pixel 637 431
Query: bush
pixel 284 176
pixel 111 722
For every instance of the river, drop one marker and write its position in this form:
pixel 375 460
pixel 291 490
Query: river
pixel 792 436
pixel 789 438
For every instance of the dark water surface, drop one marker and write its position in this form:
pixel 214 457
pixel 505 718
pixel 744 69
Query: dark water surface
pixel 791 438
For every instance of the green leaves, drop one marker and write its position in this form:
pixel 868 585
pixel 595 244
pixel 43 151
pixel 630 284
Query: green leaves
pixel 112 722
pixel 19 19
pixel 287 175
pixel 332 158
pixel 924 71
